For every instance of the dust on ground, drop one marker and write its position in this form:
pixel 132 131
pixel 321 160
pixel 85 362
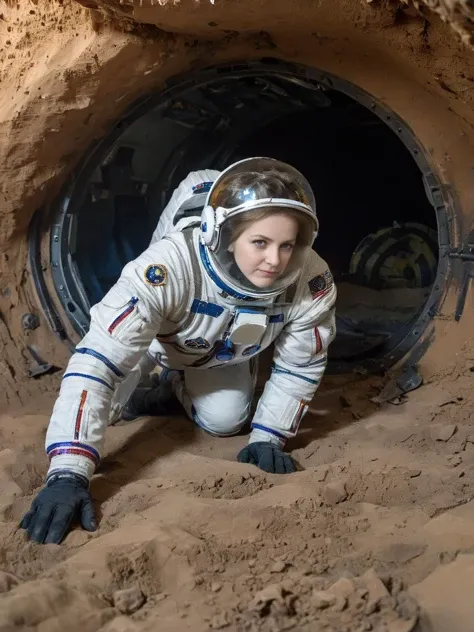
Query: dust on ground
pixel 374 532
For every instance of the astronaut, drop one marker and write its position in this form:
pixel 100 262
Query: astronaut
pixel 230 269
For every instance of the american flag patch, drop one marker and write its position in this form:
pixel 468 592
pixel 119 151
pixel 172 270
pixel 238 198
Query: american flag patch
pixel 321 284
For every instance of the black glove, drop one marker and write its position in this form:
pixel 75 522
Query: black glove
pixel 268 457
pixel 64 498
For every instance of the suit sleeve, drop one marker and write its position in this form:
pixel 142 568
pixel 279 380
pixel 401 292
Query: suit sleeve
pixel 299 359
pixel 122 327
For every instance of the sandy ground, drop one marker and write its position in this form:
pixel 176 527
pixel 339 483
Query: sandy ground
pixel 375 531
pixel 375 528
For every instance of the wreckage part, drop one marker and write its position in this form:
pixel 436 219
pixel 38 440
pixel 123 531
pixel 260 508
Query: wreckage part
pixel 403 255
pixel 41 367
pixel 30 321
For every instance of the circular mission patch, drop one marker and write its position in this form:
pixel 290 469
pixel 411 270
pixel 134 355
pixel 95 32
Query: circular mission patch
pixel 156 274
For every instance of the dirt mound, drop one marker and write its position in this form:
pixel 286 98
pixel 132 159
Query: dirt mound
pixel 191 540
pixel 230 486
pixel 303 602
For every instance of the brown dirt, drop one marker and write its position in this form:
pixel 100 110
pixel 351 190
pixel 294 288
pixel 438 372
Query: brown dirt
pixel 198 541
pixel 189 539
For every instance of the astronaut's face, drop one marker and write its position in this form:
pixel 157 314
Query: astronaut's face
pixel 264 249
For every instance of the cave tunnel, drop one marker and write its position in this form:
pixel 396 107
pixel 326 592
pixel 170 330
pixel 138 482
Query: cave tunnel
pixel 382 219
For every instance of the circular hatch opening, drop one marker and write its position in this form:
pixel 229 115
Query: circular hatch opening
pixel 381 210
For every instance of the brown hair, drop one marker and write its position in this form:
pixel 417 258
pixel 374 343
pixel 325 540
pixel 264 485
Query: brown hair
pixel 269 184
pixel 239 224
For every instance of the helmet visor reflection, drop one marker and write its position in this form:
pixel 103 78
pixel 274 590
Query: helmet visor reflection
pixel 226 196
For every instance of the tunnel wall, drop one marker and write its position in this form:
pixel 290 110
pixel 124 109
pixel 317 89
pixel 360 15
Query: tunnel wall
pixel 69 72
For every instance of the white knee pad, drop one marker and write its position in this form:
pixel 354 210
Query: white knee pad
pixel 219 400
pixel 224 424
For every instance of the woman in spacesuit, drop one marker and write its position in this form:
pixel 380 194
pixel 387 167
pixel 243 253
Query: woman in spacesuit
pixel 207 296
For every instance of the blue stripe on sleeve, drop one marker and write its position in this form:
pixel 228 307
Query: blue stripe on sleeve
pixel 88 377
pixel 108 363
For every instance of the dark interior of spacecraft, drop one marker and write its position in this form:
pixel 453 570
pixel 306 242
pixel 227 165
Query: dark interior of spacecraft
pixel 377 227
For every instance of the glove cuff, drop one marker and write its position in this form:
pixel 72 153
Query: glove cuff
pixel 65 475
pixel 260 433
pixel 78 464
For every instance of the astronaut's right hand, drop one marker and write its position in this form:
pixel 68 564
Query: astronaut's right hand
pixel 65 498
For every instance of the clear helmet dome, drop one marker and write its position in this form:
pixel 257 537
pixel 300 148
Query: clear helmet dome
pixel 246 192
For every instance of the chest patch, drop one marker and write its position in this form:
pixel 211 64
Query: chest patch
pixel 197 343
pixel 209 309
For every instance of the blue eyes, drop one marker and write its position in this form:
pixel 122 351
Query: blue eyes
pixel 262 244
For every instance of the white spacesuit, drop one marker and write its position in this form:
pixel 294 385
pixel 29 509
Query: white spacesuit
pixel 180 304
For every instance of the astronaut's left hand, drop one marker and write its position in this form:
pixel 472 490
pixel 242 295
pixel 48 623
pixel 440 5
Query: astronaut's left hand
pixel 268 457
